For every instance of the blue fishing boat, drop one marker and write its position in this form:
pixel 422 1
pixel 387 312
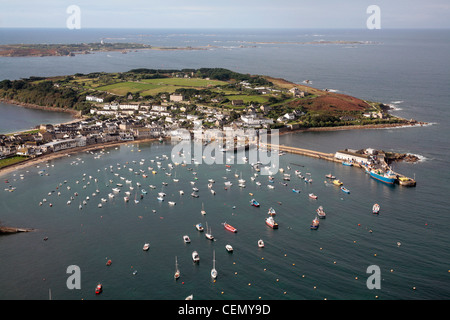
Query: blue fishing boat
pixel 296 190
pixel 385 177
pixel 254 203
pixel 344 189
pixel 346 163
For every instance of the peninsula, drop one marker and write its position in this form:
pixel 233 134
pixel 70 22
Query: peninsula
pixel 44 50
pixel 154 104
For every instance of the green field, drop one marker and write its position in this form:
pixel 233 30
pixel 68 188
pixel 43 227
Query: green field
pixel 248 98
pixel 155 86
pixel 186 82
pixel 10 161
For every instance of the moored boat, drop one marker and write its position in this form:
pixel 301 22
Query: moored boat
pixel 213 270
pixel 385 177
pixel 229 227
pixel 260 243
pixel 314 224
pixel 376 208
pixel 330 176
pixel 146 246
pixel 229 248
pixel 199 227
pixel 195 256
pixel 177 271
pixel 254 203
pixel 312 196
pixel 321 212
pixel 186 239
pixel 98 289
pixel 272 211
pixel 337 182
pixel 344 189
pixel 271 223
pixel 296 190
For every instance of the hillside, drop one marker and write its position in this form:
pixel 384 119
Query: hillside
pixel 232 92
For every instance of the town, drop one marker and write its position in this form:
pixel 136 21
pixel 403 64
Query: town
pixel 155 104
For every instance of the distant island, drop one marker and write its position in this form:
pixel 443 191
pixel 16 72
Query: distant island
pixel 44 50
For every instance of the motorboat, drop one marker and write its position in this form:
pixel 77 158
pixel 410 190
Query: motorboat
pixel 271 223
pixel 146 246
pixel 195 256
pixel 229 227
pixel 177 271
pixel 229 248
pixel 203 212
pixel 98 289
pixel 376 208
pixel 315 224
pixel 312 196
pixel 186 239
pixel 272 211
pixel 296 190
pixel 321 212
pixel 254 203
pixel 213 270
pixel 260 243
pixel 199 227
pixel 344 189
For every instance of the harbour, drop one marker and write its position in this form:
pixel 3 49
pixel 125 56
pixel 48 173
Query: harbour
pixel 407 238
pixel 359 160
pixel 118 230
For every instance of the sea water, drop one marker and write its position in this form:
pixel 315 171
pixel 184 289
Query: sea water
pixel 407 240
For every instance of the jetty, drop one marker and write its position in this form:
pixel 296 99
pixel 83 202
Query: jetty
pixel 303 152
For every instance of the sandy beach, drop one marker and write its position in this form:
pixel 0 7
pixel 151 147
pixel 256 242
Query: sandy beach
pixel 64 153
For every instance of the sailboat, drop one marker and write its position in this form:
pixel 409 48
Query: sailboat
pixel 203 212
pixel 177 271
pixel 241 181
pixel 213 270
pixel 208 234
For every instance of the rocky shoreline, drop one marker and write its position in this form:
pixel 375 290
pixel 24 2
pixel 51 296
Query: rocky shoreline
pixel 75 113
pixel 397 157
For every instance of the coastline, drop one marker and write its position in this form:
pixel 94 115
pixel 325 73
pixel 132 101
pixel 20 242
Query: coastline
pixel 64 153
pixel 74 113
pixel 355 127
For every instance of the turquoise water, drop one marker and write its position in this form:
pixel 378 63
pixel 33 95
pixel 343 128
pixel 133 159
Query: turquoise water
pixel 296 262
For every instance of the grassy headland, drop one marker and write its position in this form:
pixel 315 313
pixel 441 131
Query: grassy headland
pixel 234 94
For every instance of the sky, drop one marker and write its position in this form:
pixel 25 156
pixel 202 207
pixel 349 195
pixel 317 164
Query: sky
pixel 188 14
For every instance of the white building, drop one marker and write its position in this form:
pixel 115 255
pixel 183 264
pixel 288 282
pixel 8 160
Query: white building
pixel 352 157
pixel 93 98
